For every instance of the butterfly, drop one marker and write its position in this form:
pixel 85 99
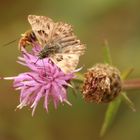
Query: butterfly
pixel 58 42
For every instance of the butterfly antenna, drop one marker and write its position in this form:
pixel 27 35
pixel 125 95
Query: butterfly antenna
pixel 6 44
pixel 36 60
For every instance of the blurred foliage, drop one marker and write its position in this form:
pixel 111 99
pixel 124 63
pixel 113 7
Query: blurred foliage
pixel 93 21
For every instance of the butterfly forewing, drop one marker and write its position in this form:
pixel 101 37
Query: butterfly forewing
pixel 42 27
pixel 61 31
pixel 65 37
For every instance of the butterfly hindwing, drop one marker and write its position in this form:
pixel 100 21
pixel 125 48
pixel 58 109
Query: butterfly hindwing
pixel 66 62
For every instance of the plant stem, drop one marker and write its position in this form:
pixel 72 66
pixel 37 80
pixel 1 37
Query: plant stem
pixel 131 84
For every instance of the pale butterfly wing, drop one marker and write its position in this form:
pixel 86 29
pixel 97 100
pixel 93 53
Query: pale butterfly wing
pixel 43 27
pixel 64 37
pixel 66 62
pixel 61 31
pixel 70 48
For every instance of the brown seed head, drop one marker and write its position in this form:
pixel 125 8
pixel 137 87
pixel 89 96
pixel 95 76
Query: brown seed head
pixel 102 84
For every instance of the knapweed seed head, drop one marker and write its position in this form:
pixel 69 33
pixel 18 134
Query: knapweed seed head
pixel 102 84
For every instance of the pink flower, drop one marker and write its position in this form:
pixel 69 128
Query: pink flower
pixel 44 80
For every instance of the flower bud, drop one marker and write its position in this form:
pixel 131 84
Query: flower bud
pixel 102 84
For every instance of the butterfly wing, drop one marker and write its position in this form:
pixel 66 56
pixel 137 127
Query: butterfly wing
pixel 66 62
pixel 62 30
pixel 43 27
pixel 61 34
pixel 70 48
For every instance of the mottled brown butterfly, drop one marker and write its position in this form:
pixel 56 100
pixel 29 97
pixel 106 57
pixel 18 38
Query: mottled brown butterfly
pixel 57 40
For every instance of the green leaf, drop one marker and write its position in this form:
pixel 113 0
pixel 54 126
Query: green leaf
pixel 110 115
pixel 107 55
pixel 126 73
pixel 128 101
pixel 79 77
pixel 74 89
pixel 124 76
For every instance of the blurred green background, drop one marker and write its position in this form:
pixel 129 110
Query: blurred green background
pixel 118 21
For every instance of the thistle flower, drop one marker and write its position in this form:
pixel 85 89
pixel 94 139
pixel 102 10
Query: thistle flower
pixel 102 84
pixel 44 80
